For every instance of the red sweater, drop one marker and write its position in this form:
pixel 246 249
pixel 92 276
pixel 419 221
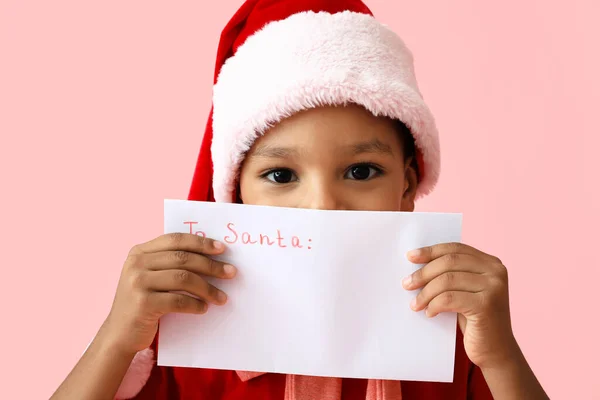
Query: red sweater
pixel 206 384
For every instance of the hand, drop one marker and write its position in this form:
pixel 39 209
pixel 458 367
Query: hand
pixel 152 272
pixel 458 278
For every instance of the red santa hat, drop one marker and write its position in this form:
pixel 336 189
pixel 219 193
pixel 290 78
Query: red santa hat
pixel 279 57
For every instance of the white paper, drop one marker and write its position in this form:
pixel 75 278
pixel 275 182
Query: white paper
pixel 335 307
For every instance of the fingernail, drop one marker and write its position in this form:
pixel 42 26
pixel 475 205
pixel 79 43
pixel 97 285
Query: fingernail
pixel 427 313
pixel 218 245
pixel 413 303
pixel 413 253
pixel 229 269
pixel 221 297
pixel 407 281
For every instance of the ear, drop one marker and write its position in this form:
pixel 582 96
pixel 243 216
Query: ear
pixel 411 180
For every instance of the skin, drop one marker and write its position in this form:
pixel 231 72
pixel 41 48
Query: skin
pixel 317 148
pixel 327 158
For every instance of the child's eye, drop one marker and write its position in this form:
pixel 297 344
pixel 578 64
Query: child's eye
pixel 280 175
pixel 362 172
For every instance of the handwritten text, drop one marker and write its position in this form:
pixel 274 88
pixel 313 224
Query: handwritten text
pixel 236 236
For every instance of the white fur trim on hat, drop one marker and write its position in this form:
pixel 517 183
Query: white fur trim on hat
pixel 310 60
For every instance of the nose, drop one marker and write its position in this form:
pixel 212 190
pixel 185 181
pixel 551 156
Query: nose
pixel 323 196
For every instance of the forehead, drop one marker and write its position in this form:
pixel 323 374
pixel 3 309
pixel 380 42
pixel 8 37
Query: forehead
pixel 331 127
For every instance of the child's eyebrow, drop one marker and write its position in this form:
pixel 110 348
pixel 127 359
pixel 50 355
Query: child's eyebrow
pixel 274 152
pixel 371 146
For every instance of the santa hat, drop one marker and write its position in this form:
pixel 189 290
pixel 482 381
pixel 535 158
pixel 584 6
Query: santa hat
pixel 277 58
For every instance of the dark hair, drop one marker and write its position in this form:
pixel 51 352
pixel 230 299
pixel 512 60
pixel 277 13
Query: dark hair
pixel 408 143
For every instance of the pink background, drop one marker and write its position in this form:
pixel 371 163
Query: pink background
pixel 102 107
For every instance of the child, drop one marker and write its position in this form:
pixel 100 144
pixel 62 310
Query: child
pixel 315 106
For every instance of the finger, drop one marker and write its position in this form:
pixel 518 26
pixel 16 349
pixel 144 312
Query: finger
pixel 193 262
pixel 453 301
pixel 181 241
pixel 427 254
pixel 184 281
pixel 166 303
pixel 448 281
pixel 452 262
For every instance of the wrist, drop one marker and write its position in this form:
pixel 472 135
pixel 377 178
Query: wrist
pixel 108 342
pixel 508 359
pixel 510 377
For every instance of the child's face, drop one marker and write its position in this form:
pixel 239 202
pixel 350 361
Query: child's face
pixel 340 158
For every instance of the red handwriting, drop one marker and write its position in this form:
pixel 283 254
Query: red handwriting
pixel 296 242
pixel 200 233
pixel 237 236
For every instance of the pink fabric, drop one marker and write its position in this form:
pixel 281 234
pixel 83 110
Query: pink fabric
pixel 299 387
pixel 137 375
pixel 309 60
